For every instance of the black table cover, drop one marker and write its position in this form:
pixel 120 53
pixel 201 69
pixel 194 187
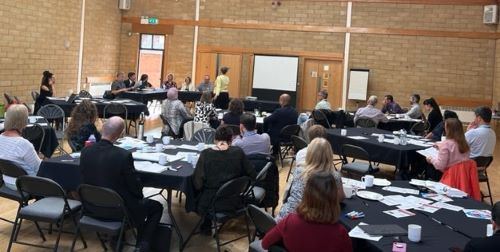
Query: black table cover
pixel 396 124
pixel 267 106
pixel 144 96
pixel 134 108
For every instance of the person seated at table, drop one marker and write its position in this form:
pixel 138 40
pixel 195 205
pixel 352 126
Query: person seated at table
pixel 130 82
pixel 250 141
pixel 81 125
pixel 188 85
pixel 174 111
pixel 438 131
pixel 318 159
pixel 103 164
pixel 454 149
pixel 315 226
pixel 143 82
pixel 46 90
pixel 206 85
pixel 215 167
pixel 323 100
pixel 370 112
pixel 390 106
pixel 434 117
pixel 14 147
pixel 415 112
pixel 487 244
pixel 118 86
pixel 480 137
pixel 169 83
pixel 236 108
pixel 205 110
pixel 281 117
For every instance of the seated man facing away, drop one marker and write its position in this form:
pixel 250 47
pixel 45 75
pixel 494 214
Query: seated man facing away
pixel 323 102
pixel 250 141
pixel 390 106
pixel 487 244
pixel 103 164
pixel 370 111
pixel 480 137
pixel 285 115
pixel 415 112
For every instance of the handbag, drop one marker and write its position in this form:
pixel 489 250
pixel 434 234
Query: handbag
pixel 108 95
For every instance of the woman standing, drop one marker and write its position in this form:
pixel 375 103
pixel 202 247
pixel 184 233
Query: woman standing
pixel 46 89
pixel 188 85
pixel 221 89
pixel 82 125
pixel 435 116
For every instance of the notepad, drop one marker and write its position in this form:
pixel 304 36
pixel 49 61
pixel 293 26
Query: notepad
pixel 429 152
pixel 384 229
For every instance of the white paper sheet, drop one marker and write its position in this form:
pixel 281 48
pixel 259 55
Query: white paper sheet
pixel 357 137
pixel 437 197
pixel 392 200
pixel 153 157
pixel 399 213
pixel 149 167
pixel 188 147
pixel 420 143
pixel 400 190
pixel 429 152
pixel 354 183
pixel 427 208
pixel 357 232
pixel 448 206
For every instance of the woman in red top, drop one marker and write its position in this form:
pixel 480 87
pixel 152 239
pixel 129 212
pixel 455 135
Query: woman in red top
pixel 315 226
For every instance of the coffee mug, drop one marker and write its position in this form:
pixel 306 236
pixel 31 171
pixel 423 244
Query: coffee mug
pixel 32 119
pixel 368 180
pixel 150 139
pixel 397 140
pixel 414 232
pixel 165 140
pixel 380 138
pixel 343 132
pixel 159 147
pixel 162 159
pixel 348 191
pixel 489 230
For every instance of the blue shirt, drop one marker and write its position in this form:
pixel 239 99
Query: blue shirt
pixel 253 143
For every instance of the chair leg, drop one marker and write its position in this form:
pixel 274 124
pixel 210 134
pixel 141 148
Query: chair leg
pixel 120 237
pixel 103 243
pixel 13 234
pixel 489 191
pixel 74 237
pixel 77 224
pixel 59 234
pixel 290 170
pixel 217 240
pixel 248 228
pixel 40 231
pixel 192 232
pixel 18 229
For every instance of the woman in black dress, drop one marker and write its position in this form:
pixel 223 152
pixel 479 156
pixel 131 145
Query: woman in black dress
pixel 435 116
pixel 236 108
pixel 46 89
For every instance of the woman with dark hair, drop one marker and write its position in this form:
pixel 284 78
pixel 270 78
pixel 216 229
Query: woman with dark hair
pixel 46 89
pixel 315 226
pixel 221 89
pixel 435 116
pixel 188 85
pixel 81 125
pixel 217 166
pixel 143 82
pixel 438 131
pixel 236 108
pixel 205 110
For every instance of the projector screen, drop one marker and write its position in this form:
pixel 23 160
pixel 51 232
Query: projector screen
pixel 275 72
pixel 358 84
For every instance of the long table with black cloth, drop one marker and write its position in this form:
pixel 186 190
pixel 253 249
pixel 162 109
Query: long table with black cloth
pixel 441 230
pixel 144 96
pixel 134 108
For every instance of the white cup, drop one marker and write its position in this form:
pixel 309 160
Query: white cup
pixel 165 140
pixel 32 119
pixel 159 147
pixel 343 132
pixel 162 159
pixel 381 138
pixel 414 232
pixel 368 180
pixel 443 138
pixel 397 140
pixel 150 139
pixel 348 191
pixel 489 230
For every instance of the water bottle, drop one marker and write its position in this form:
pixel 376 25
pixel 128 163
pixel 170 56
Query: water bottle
pixel 140 127
pixel 404 138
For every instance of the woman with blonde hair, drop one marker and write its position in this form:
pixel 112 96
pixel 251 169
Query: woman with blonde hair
pixel 319 158
pixel 82 125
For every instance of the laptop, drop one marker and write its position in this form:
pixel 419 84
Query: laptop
pixel 72 98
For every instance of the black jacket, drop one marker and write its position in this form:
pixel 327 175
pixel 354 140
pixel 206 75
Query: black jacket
pixel 486 244
pixel 280 118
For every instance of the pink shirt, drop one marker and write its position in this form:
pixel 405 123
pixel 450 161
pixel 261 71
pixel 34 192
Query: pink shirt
pixel 448 155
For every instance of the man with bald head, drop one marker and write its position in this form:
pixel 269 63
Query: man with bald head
pixel 285 115
pixel 103 164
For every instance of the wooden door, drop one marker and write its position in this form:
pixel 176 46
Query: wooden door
pixel 233 61
pixel 206 64
pixel 319 75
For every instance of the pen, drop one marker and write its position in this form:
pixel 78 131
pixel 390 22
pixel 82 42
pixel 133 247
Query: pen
pixel 178 167
pixel 67 160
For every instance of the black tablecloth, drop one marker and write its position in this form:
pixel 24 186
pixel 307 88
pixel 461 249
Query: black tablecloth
pixel 396 124
pixel 134 108
pixel 440 231
pixel 399 155
pixel 49 144
pixel 267 106
pixel 144 96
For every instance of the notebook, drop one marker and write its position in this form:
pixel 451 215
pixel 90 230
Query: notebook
pixel 384 230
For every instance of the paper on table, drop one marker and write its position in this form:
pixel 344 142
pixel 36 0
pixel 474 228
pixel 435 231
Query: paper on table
pixel 357 232
pixel 412 198
pixel 400 190
pixel 478 214
pixel 448 206
pixel 188 147
pixel 354 183
pixel 437 197
pixel 357 137
pixel 392 200
pixel 420 143
pixel 427 208
pixel 429 152
pixel 153 156
pixel 399 213
pixel 391 141
pixel 129 143
pixel 149 167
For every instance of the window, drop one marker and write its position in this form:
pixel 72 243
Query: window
pixel 151 54
pixel 152 42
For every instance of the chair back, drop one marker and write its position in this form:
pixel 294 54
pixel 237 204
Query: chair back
pixel 34 95
pixel 234 128
pixel 8 98
pixel 205 135
pixel 84 94
pixel 419 128
pixel 51 112
pixel 355 152
pixel 339 118
pixel 298 143
pixel 263 173
pixel 464 177
pixel 320 118
pixel 39 186
pixel 101 202
pixel 288 131
pixel 483 162
pixel 191 127
pixel 115 109
pixel 35 134
pixel 9 168
pixel 365 123
pixel 263 221
pixel 231 193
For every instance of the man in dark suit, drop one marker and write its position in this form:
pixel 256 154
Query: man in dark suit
pixel 286 115
pixel 103 164
pixel 488 244
pixel 130 82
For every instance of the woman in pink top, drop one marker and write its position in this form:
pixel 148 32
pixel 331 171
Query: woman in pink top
pixel 315 226
pixel 454 149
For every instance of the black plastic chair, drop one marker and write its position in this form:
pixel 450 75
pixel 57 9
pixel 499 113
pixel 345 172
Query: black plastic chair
pixel 231 193
pixel 320 118
pixel 419 128
pixel 54 114
pixel 35 134
pixel 365 123
pixel 117 109
pixel 235 129
pixel 357 167
pixel 204 135
pixel 103 212
pixel 285 140
pixel 255 193
pixel 84 94
pixel 52 207
pixel 34 95
pixel 298 144
pixel 8 98
pixel 482 164
pixel 262 221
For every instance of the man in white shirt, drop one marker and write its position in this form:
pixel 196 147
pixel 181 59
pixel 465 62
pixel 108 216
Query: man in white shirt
pixel 415 112
pixel 323 102
pixel 370 111
pixel 250 141
pixel 480 137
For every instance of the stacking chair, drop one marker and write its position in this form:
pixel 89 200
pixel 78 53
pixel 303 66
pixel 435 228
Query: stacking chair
pixel 263 222
pixel 256 193
pixel 320 118
pixel 482 165
pixel 365 123
pixel 116 109
pixel 84 94
pixel 419 128
pixel 55 114
pixel 285 140
pixel 231 193
pixel 34 95
pixel 51 207
pixel 8 98
pixel 357 167
pixel 169 131
pixel 235 129
pixel 298 144
pixel 190 127
pixel 35 134
pixel 104 212
pixel 205 135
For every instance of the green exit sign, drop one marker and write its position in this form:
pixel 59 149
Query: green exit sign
pixel 152 20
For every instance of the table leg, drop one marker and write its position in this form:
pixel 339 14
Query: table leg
pixel 169 209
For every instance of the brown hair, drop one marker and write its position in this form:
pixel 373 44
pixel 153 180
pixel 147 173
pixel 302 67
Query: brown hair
pixel 206 97
pixel 320 202
pixel 455 131
pixel 316 131
pixel 83 113
pixel 236 106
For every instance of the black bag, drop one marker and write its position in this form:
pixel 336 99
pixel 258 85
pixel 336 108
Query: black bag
pixel 108 95
pixel 161 238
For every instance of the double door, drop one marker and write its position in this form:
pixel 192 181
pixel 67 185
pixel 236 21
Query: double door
pixel 209 63
pixel 319 75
